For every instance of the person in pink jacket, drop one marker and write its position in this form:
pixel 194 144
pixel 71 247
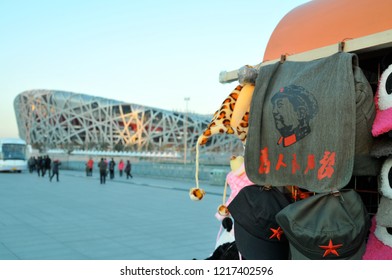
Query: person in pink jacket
pixel 121 167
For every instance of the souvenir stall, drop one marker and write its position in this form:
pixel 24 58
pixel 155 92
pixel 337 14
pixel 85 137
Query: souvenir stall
pixel 315 120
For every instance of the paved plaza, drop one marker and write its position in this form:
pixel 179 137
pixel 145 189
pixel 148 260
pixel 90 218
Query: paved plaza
pixel 77 218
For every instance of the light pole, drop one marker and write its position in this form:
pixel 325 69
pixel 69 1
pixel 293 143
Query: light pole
pixel 185 127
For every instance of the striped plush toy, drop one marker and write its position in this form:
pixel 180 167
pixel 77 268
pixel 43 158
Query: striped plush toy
pixel 230 118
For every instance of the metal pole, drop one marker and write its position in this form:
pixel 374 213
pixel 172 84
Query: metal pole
pixel 185 127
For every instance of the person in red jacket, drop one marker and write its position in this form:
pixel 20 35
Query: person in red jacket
pixel 89 167
pixel 121 167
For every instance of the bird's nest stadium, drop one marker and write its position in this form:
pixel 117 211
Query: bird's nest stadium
pixel 59 119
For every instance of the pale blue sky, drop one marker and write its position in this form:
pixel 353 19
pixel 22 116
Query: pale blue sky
pixel 153 53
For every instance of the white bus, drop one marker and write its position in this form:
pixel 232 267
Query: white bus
pixel 13 154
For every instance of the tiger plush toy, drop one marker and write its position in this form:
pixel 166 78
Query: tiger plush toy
pixel 231 118
pixel 222 121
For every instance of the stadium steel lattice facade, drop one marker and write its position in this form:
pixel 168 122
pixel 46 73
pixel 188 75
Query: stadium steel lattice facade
pixel 54 118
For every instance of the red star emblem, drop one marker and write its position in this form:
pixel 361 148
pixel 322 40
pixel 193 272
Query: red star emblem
pixel 330 248
pixel 276 233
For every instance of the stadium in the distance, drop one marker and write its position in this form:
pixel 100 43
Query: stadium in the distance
pixel 60 119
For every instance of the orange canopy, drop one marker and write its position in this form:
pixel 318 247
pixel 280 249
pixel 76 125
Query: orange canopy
pixel 320 23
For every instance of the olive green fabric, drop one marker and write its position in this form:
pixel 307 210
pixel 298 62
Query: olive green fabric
pixel 364 163
pixel 326 226
pixel 307 123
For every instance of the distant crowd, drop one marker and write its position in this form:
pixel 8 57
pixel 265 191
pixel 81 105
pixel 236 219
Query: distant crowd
pixel 106 168
pixel 43 165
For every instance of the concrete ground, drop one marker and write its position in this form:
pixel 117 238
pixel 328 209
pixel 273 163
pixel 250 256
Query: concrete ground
pixel 77 218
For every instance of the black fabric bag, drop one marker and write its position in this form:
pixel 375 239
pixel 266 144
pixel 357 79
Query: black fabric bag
pixel 257 234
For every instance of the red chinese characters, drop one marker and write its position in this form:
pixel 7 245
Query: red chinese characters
pixel 325 167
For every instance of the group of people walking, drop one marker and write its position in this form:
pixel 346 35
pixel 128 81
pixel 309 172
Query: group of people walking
pixel 106 167
pixel 43 165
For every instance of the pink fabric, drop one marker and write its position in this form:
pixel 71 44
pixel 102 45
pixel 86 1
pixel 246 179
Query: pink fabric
pixel 121 165
pixel 375 249
pixel 236 183
pixel 383 120
pixel 219 216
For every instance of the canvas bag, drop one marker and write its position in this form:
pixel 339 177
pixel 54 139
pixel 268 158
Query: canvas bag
pixel 308 123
